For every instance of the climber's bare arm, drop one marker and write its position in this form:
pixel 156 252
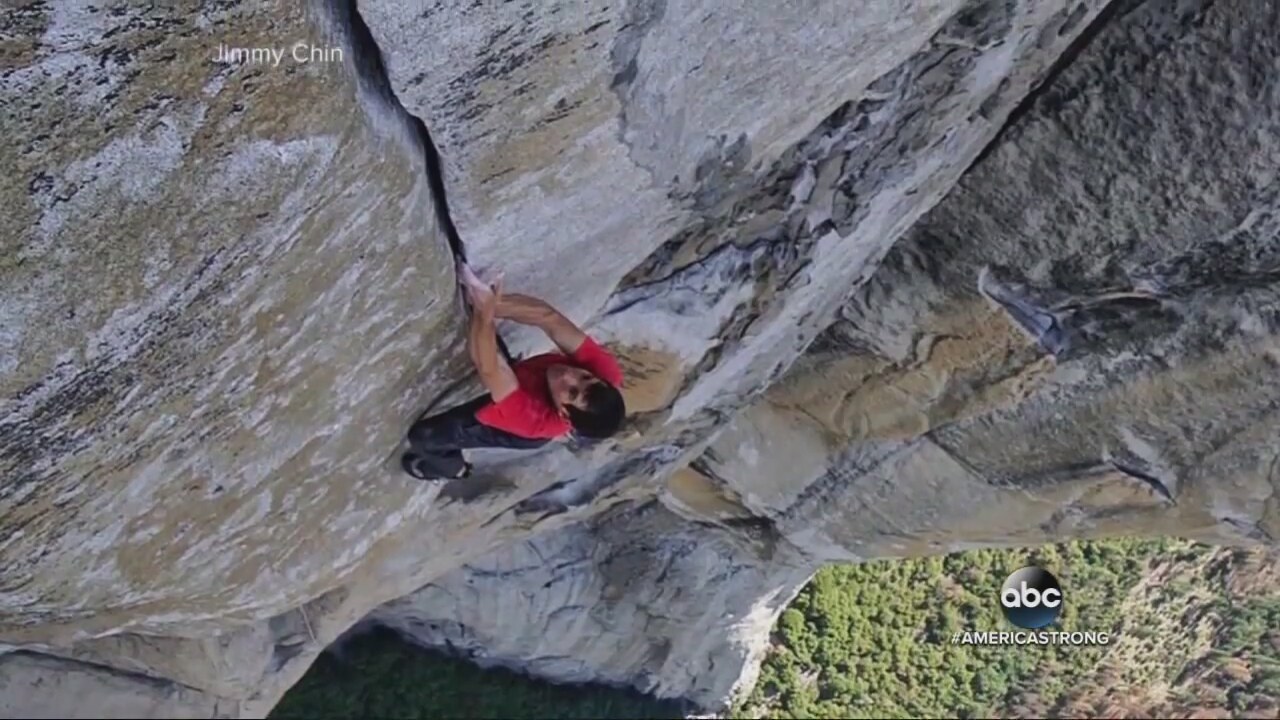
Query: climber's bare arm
pixel 482 342
pixel 530 310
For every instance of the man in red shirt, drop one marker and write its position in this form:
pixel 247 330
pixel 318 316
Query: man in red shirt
pixel 529 403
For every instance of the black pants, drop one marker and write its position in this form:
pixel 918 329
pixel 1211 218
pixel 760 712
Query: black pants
pixel 439 440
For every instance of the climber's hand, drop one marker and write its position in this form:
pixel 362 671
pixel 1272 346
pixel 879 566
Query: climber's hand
pixel 485 298
pixel 482 340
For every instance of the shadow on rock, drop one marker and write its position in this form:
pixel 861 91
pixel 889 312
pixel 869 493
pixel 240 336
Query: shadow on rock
pixel 476 486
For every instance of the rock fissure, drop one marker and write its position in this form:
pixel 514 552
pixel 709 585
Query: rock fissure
pixel 372 70
pixel 1110 13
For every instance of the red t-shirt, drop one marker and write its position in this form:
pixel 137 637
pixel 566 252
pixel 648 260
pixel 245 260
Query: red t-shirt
pixel 528 411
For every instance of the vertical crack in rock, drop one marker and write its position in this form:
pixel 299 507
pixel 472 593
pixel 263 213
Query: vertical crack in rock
pixel 371 73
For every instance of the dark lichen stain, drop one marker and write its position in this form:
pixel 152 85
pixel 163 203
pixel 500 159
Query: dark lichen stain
pixel 626 76
pixel 563 108
pixel 498 62
pixel 469 489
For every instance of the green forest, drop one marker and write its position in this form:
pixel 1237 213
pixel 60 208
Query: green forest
pixel 874 640
pixel 380 676
pixel 869 640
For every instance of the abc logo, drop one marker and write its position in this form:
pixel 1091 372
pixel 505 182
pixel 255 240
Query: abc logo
pixel 1031 598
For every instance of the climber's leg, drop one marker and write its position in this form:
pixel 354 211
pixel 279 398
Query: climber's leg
pixel 436 451
pixel 441 430
pixel 438 441
pixel 458 429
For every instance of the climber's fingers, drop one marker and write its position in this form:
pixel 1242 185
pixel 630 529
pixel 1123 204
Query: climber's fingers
pixel 479 295
pixel 468 277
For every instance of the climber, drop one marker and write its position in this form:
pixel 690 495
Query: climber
pixel 529 403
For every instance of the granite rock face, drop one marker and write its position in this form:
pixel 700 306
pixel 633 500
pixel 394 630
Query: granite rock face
pixel 1065 347
pixel 40 686
pixel 1078 341
pixel 636 596
pixel 218 293
pixel 227 290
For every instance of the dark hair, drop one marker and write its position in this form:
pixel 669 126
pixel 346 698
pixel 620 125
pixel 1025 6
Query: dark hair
pixel 603 415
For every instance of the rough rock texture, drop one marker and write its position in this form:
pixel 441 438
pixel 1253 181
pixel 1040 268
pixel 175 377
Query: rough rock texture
pixel 577 137
pixel 636 597
pixel 580 138
pixel 1079 341
pixel 224 298
pixel 216 282
pixel 216 314
pixel 1067 346
pixel 39 686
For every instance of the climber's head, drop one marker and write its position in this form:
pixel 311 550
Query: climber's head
pixel 593 406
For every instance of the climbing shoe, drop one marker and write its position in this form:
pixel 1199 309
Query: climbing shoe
pixel 417 466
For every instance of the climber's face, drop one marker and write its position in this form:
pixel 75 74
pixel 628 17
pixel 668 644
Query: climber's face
pixel 568 386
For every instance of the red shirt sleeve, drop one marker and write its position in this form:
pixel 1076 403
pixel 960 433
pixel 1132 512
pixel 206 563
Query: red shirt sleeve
pixel 592 357
pixel 520 413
